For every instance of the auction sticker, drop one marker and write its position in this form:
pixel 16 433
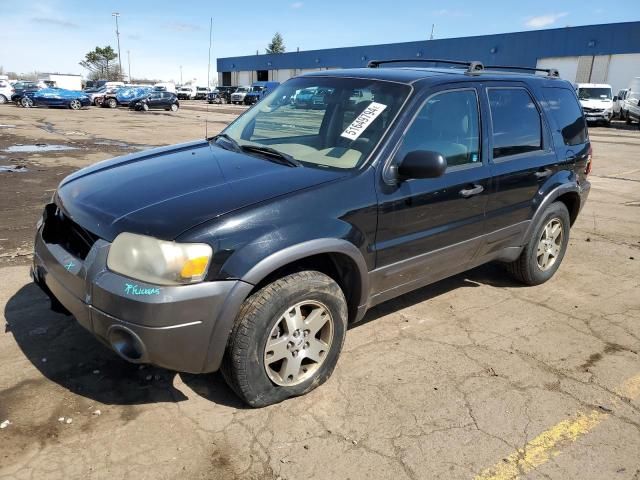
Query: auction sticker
pixel 362 121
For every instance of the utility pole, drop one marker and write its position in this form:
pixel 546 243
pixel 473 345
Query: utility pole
pixel 180 74
pixel 210 44
pixel 433 26
pixel 116 15
pixel 129 62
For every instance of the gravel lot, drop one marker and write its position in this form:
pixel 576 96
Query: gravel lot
pixel 473 377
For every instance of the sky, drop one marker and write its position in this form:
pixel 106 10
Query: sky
pixel 162 36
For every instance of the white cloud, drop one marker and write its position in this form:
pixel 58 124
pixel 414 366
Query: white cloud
pixel 297 5
pixel 542 21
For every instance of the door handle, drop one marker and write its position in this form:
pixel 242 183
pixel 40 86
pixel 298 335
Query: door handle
pixel 470 192
pixel 544 173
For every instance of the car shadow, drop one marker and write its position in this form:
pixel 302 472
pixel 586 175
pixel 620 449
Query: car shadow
pixel 70 356
pixel 492 274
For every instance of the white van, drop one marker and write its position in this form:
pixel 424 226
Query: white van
pixel 186 92
pixel 597 101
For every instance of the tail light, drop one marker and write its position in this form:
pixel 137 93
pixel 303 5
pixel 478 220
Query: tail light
pixel 587 168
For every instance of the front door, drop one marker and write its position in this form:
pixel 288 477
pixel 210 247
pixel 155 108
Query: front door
pixel 431 228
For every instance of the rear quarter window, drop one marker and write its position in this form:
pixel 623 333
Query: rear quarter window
pixel 562 104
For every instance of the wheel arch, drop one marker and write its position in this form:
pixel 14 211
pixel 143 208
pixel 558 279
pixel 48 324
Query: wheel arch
pixel 567 193
pixel 337 258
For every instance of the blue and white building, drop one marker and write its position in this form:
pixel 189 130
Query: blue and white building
pixel 607 53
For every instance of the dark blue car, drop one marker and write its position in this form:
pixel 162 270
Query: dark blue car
pixel 56 97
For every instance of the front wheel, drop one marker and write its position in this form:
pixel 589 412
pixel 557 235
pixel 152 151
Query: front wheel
pixel 174 107
pixel 26 102
pixel 3 99
pixel 112 103
pixel 541 257
pixel 286 339
pixel 75 104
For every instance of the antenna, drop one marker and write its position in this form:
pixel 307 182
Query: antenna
pixel 206 118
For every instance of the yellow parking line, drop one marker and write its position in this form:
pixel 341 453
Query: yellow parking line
pixel 547 445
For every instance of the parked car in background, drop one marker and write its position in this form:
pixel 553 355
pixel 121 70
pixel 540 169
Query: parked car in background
pixel 258 91
pixel 221 94
pixel 165 87
pixel 122 96
pixel 597 101
pixel 56 97
pixel 202 93
pixel 186 92
pixel 110 92
pixel 237 97
pixel 95 93
pixel 6 91
pixel 631 106
pixel 618 102
pixel 156 100
pixel 22 87
pixel 314 98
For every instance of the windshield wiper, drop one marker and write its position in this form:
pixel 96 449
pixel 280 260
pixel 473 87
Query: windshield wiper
pixel 272 154
pixel 230 140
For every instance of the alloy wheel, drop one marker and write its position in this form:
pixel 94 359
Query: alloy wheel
pixel 298 343
pixel 550 244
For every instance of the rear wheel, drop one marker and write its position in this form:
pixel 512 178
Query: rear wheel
pixel 286 339
pixel 98 101
pixel 174 107
pixel 145 107
pixel 112 103
pixel 3 99
pixel 75 104
pixel 542 256
pixel 26 102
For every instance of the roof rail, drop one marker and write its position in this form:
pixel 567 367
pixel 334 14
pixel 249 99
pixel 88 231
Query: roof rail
pixel 551 72
pixel 472 66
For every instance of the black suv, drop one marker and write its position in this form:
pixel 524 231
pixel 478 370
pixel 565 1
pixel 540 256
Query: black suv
pixel 254 250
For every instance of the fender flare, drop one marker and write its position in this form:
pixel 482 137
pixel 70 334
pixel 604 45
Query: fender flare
pixel 547 199
pixel 242 289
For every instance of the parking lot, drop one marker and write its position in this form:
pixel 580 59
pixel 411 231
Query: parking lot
pixel 473 377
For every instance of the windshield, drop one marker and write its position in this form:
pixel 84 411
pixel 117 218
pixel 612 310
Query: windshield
pixel 333 128
pixel 257 88
pixel 594 93
pixel 242 89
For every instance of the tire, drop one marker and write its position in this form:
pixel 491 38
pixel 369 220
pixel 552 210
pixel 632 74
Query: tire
pixel 26 102
pixel 145 107
pixel 627 118
pixel 98 102
pixel 265 320
pixel 3 99
pixel 173 107
pixel 75 104
pixel 530 267
pixel 112 103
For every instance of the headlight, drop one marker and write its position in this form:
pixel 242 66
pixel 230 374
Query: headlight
pixel 157 261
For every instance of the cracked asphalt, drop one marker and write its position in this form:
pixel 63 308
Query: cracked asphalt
pixel 475 377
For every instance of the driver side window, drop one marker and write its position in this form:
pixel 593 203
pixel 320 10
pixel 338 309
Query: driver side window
pixel 447 124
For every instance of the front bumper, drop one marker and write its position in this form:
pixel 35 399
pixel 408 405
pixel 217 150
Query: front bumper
pixel 598 116
pixel 182 327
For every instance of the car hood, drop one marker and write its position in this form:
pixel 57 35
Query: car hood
pixel 166 191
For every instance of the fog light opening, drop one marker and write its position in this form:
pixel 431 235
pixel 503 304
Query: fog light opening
pixel 126 344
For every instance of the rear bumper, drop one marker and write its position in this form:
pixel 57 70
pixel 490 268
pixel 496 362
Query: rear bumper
pixel 182 328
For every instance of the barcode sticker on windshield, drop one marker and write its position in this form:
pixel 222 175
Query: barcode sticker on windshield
pixel 362 121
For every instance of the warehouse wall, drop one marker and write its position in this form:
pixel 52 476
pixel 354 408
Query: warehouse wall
pixel 616 70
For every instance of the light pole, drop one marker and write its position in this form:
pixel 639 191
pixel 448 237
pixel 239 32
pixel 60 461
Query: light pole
pixel 116 15
pixel 180 74
pixel 129 61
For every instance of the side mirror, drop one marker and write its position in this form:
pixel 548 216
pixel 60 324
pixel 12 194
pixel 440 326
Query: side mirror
pixel 422 164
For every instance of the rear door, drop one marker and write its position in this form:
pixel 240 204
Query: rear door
pixel 431 228
pixel 522 159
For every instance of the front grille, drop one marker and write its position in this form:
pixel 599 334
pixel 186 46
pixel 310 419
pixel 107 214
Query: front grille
pixel 61 230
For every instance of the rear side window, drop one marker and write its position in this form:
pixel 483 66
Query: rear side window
pixel 516 122
pixel 563 106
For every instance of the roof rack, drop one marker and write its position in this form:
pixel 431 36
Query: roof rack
pixel 551 72
pixel 472 66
